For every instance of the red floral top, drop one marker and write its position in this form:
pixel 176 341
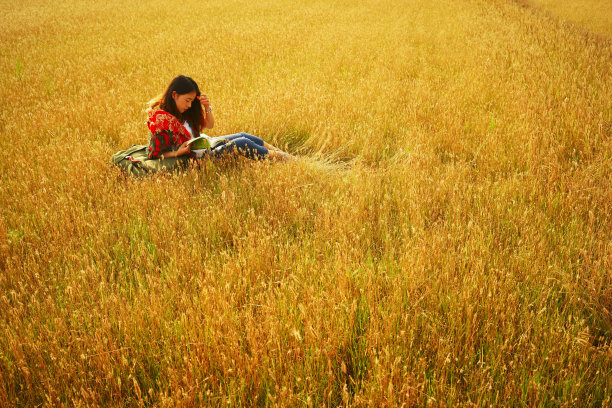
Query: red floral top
pixel 167 133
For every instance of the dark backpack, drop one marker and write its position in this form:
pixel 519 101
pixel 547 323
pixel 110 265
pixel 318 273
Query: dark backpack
pixel 135 162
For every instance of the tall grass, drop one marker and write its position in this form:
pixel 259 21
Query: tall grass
pixel 443 239
pixel 591 15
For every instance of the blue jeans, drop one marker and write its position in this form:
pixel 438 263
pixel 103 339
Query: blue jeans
pixel 243 143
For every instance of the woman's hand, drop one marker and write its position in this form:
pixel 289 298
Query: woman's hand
pixel 204 101
pixel 183 149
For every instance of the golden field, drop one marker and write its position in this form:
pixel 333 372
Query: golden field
pixel 591 15
pixel 443 239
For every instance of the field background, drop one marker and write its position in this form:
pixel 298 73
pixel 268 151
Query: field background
pixel 443 239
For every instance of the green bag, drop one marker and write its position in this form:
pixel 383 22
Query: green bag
pixel 135 162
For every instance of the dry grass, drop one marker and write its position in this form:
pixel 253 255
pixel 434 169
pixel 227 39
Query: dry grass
pixel 444 239
pixel 592 15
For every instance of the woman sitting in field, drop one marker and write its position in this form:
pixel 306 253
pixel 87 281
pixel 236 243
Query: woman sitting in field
pixel 177 116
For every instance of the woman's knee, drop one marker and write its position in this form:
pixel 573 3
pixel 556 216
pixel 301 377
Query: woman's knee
pixel 241 141
pixel 243 146
pixel 252 138
pixel 249 148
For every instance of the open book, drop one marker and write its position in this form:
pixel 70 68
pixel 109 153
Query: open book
pixel 205 142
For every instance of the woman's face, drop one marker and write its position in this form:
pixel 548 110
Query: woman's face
pixel 183 102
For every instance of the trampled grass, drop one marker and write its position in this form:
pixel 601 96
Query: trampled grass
pixel 443 239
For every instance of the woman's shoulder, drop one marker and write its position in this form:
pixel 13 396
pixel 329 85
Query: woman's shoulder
pixel 153 113
pixel 158 119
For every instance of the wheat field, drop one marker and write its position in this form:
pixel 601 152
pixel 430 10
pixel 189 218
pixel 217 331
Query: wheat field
pixel 443 239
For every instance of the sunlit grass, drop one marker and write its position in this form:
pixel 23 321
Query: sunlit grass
pixel 444 237
pixel 592 15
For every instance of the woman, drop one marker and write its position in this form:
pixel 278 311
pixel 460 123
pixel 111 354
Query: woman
pixel 181 113
pixel 176 116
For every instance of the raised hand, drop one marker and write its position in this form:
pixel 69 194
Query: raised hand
pixel 204 101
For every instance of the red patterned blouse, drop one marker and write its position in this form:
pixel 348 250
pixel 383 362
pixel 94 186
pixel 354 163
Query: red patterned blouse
pixel 167 133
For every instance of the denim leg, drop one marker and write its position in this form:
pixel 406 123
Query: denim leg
pixel 244 146
pixel 235 136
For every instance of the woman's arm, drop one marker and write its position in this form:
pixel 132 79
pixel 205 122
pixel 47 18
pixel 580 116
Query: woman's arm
pixel 183 149
pixel 159 142
pixel 209 119
pixel 160 145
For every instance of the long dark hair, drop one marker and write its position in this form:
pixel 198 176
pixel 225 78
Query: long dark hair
pixel 182 85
